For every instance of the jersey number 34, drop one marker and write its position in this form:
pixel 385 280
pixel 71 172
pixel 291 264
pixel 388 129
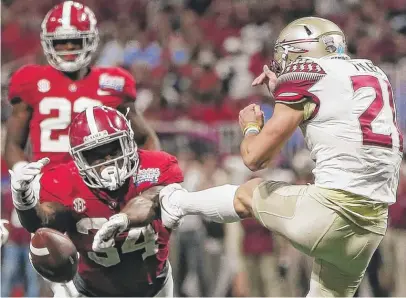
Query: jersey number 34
pixel 111 256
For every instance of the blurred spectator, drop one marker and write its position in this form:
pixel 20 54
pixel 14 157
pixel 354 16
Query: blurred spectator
pixel 394 243
pixel 261 260
pixel 189 243
pixel 233 69
pixel 142 51
pixel 16 264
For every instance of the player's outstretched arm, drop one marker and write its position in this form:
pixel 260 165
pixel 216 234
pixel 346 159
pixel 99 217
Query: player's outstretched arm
pixel 144 135
pixel 32 214
pixel 138 212
pixel 46 215
pixel 143 209
pixel 17 134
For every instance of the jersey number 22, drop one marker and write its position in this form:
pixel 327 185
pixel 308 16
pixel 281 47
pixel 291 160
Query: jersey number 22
pixel 61 122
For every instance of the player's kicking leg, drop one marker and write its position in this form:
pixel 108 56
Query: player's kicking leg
pixel 341 249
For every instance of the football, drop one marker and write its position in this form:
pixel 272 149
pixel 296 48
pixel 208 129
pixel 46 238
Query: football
pixel 53 255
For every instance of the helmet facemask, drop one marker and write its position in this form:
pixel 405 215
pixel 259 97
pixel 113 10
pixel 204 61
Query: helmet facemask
pixel 308 37
pixel 112 173
pixel 89 41
pixel 285 53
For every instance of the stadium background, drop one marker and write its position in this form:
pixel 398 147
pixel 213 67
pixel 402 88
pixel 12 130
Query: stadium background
pixel 193 61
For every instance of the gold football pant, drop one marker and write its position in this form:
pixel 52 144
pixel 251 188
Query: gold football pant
pixel 340 247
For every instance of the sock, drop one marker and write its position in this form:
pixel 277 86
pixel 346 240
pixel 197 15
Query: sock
pixel 216 204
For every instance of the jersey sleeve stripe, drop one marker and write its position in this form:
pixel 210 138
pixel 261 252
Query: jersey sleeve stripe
pixel 297 91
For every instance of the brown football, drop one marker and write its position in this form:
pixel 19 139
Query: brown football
pixel 53 255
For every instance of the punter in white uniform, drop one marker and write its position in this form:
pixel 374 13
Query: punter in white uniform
pixel 346 110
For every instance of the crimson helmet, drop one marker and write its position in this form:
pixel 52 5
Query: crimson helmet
pixel 90 133
pixel 69 21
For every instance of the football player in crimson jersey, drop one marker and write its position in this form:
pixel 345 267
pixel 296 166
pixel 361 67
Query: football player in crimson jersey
pixel 107 177
pixel 46 98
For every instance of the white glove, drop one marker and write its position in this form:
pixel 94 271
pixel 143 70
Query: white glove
pixel 104 237
pixel 21 184
pixel 3 231
pixel 171 212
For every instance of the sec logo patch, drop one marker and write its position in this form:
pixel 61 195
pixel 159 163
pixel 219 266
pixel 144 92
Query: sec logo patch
pixel 43 85
pixel 79 205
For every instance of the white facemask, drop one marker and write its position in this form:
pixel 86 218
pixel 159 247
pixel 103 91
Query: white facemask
pixel 112 177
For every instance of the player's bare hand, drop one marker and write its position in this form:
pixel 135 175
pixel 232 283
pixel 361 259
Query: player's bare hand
pixel 21 180
pixel 104 237
pixel 251 114
pixel 267 77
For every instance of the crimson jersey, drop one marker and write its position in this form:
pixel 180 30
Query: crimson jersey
pixel 140 254
pixel 56 100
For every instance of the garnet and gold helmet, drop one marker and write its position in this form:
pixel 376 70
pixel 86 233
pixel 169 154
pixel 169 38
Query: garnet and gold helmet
pixel 307 37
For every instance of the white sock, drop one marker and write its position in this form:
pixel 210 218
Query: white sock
pixel 216 204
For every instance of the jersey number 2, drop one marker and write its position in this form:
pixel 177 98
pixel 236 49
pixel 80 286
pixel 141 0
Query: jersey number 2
pixel 62 121
pixel 379 118
pixel 110 256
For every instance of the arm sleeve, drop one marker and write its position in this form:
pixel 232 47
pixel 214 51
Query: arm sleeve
pixel 293 92
pixel 297 83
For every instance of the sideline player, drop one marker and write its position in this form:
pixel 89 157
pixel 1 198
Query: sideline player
pixel 45 99
pixel 107 175
pixel 346 110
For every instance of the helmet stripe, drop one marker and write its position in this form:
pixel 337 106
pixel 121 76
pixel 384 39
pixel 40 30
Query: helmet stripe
pixel 90 120
pixel 66 12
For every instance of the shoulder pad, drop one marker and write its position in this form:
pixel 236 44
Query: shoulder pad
pixel 302 69
pixel 24 81
pixel 118 80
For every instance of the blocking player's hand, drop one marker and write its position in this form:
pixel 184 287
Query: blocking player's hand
pixel 267 77
pixel 3 231
pixel 104 237
pixel 21 184
pixel 21 179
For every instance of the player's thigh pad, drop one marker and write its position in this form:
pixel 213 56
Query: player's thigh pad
pixel 342 257
pixel 290 211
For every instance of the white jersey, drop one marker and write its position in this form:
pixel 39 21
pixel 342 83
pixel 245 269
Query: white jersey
pixel 351 131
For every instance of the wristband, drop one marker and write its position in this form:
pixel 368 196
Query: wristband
pixel 24 200
pixel 251 130
pixel 251 127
